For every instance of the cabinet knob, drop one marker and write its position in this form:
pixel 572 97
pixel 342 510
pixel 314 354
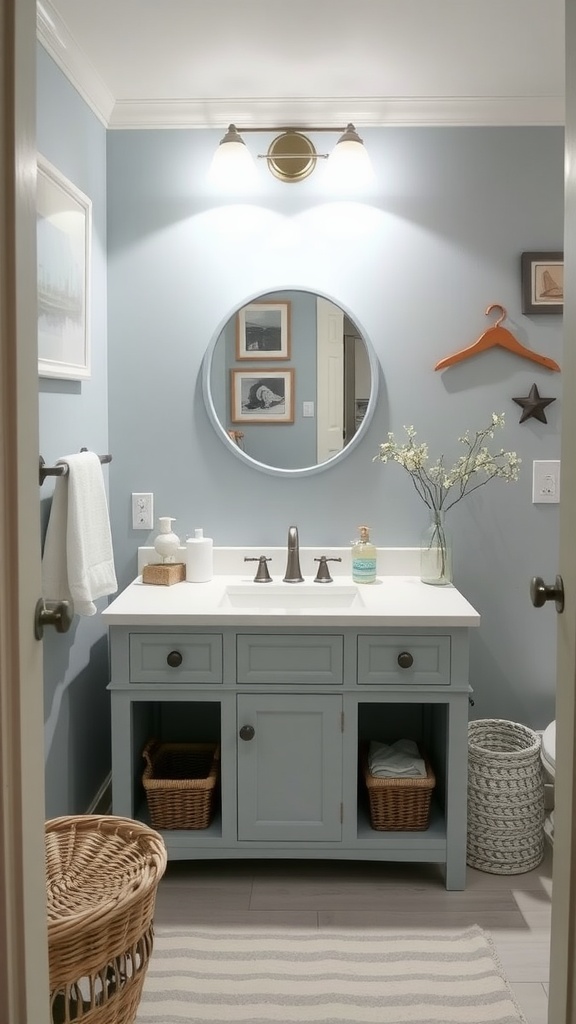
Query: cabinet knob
pixel 247 732
pixel 174 659
pixel 405 659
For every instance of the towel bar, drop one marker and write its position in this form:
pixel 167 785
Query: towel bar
pixel 62 469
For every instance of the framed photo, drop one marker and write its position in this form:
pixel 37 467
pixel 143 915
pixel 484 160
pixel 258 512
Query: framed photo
pixel 542 282
pixel 262 396
pixel 63 231
pixel 263 331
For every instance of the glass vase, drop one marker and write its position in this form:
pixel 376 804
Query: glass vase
pixel 436 552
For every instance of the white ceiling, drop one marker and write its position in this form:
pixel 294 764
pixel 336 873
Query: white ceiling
pixel 205 63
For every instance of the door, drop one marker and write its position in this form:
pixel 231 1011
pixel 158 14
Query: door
pixel 289 767
pixel 562 1001
pixel 23 940
pixel 330 377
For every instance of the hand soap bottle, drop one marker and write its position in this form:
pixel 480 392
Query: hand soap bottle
pixel 363 558
pixel 199 568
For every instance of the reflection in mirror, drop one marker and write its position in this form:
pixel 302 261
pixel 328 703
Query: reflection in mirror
pixel 290 381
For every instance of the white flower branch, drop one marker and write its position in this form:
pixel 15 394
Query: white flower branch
pixel 439 489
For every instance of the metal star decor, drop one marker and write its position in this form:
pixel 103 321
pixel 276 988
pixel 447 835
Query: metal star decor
pixel 533 405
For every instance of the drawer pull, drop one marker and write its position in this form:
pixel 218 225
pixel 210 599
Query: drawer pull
pixel 405 659
pixel 174 659
pixel 247 732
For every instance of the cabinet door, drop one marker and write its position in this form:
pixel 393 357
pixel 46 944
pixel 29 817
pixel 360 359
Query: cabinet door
pixel 290 772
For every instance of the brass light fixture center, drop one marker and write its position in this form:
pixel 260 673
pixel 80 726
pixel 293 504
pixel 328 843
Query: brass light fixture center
pixel 291 156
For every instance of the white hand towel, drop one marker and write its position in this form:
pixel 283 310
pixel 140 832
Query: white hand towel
pixel 78 562
pixel 397 760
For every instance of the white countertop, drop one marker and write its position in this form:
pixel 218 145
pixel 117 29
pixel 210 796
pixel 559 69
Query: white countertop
pixel 400 601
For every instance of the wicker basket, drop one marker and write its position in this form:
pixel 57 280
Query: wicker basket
pixel 180 782
pixel 399 805
pixel 505 798
pixel 102 873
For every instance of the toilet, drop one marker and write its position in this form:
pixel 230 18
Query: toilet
pixel 548 758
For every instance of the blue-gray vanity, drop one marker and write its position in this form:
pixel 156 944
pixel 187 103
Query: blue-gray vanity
pixel 314 674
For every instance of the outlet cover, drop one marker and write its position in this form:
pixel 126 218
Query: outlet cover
pixel 142 511
pixel 546 482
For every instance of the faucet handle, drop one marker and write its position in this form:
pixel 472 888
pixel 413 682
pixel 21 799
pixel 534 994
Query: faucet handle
pixel 262 574
pixel 323 574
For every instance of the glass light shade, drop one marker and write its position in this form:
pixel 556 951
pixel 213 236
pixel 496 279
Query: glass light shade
pixel 349 165
pixel 232 165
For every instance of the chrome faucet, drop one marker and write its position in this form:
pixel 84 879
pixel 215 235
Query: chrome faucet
pixel 293 574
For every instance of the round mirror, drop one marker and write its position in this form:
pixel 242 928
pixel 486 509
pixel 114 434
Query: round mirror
pixel 290 382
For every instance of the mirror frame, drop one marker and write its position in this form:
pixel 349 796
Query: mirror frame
pixel 222 432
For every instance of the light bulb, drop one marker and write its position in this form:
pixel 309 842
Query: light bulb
pixel 349 165
pixel 232 165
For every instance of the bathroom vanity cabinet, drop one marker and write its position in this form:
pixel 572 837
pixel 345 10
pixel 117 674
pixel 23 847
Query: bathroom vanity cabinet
pixel 291 705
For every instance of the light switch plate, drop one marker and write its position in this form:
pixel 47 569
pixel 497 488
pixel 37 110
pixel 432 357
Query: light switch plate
pixel 546 482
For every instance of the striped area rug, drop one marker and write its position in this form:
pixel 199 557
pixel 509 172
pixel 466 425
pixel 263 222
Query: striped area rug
pixel 211 976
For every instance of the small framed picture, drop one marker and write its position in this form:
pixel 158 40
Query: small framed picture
pixel 263 331
pixel 262 396
pixel 542 282
pixel 63 226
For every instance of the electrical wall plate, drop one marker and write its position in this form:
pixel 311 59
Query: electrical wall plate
pixel 142 511
pixel 546 481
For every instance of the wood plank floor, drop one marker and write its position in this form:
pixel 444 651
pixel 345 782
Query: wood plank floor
pixel 398 897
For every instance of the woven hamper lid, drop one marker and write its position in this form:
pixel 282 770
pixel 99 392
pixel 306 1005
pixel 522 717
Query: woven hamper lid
pixel 97 863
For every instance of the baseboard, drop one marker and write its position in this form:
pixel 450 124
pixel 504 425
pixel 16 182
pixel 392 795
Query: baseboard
pixel 102 802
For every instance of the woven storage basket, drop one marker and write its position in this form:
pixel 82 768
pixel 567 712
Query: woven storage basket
pixel 180 782
pixel 102 874
pixel 399 805
pixel 505 797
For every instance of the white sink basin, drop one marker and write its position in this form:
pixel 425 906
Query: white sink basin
pixel 291 596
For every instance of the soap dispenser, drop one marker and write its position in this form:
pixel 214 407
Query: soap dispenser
pixel 199 558
pixel 363 558
pixel 167 542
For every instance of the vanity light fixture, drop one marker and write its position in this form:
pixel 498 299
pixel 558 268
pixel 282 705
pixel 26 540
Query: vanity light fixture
pixel 292 157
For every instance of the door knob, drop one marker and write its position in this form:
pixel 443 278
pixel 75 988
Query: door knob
pixel 174 659
pixel 405 659
pixel 247 732
pixel 540 592
pixel 52 613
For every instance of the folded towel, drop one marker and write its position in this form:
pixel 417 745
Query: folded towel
pixel 397 760
pixel 78 562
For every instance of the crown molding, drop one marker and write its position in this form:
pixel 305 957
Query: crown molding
pixel 373 112
pixel 217 113
pixel 54 36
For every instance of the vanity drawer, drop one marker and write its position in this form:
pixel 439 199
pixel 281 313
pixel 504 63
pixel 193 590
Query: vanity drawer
pixel 410 660
pixel 280 659
pixel 175 658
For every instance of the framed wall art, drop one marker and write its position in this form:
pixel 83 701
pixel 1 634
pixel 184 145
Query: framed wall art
pixel 262 396
pixel 263 331
pixel 542 282
pixel 63 230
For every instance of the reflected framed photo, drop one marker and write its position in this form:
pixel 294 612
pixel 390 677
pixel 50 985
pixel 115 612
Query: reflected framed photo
pixel 542 282
pixel 263 331
pixel 63 233
pixel 262 395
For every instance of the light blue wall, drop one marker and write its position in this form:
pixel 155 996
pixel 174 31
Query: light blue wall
pixel 75 415
pixel 416 264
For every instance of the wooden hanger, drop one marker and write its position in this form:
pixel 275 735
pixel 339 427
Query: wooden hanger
pixel 497 335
